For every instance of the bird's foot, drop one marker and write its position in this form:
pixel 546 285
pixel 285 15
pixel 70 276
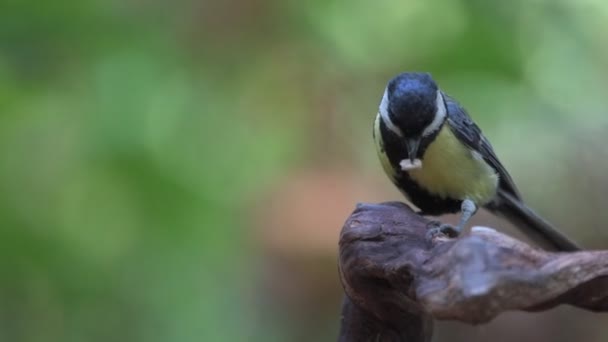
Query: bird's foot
pixel 438 229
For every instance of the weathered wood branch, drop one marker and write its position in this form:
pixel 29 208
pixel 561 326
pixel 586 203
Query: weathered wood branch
pixel 397 280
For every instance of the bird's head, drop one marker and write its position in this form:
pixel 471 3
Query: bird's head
pixel 413 108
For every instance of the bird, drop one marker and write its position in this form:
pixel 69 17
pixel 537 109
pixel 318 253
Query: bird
pixel 437 156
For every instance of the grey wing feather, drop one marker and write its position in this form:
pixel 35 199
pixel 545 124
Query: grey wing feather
pixel 508 202
pixel 467 132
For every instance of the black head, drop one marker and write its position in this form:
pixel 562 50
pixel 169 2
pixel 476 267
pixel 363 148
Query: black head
pixel 412 102
pixel 412 109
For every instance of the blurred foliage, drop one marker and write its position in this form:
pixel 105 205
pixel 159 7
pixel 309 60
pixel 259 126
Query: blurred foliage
pixel 140 139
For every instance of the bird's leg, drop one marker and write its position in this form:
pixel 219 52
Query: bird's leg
pixel 467 210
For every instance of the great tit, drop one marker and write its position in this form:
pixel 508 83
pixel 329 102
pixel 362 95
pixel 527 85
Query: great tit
pixel 438 158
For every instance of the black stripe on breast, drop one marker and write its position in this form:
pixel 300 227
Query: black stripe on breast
pixel 427 202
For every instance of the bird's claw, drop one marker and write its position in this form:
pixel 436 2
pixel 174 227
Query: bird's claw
pixel 438 229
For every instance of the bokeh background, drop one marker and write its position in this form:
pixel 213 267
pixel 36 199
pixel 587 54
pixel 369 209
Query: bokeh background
pixel 179 171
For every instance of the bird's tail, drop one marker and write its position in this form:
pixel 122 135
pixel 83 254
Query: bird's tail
pixel 531 224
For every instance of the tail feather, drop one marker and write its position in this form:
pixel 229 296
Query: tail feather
pixel 531 224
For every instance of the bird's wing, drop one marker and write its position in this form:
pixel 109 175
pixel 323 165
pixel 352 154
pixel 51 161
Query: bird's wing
pixel 467 132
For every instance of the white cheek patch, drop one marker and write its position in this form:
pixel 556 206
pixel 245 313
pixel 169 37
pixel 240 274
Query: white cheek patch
pixel 440 115
pixel 386 118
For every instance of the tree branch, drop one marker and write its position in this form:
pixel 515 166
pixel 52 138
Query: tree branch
pixel 396 279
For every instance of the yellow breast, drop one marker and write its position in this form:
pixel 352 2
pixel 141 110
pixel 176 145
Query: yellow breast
pixel 450 169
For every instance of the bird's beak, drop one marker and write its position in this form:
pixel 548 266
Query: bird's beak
pixel 412 148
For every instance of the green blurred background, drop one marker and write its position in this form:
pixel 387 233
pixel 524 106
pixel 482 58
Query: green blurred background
pixel 179 171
